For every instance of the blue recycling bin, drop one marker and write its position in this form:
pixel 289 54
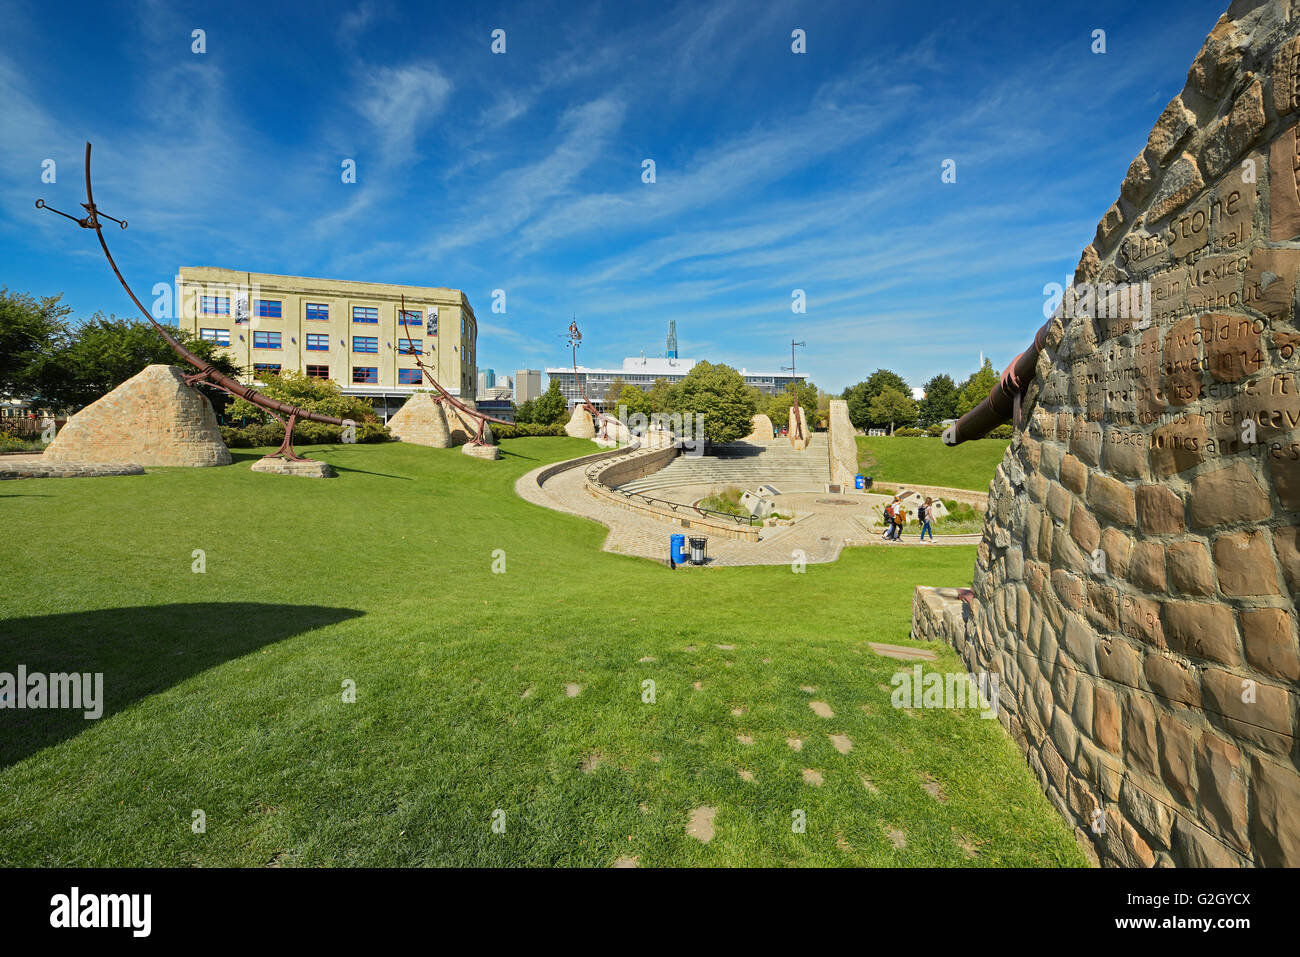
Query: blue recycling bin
pixel 677 549
pixel 860 482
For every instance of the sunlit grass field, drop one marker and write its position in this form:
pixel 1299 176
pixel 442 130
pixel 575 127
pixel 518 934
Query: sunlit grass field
pixel 225 687
pixel 927 461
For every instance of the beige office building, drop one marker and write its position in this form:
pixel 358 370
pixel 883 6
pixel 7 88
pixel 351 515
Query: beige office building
pixel 334 329
pixel 528 385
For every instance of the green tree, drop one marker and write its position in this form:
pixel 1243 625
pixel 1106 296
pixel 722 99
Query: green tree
pixel 663 396
pixel 550 408
pixel 526 412
pixel 635 399
pixel 324 396
pixel 940 400
pixel 96 357
pixel 893 407
pixel 611 394
pixel 777 406
pixel 31 331
pixel 718 394
pixel 859 396
pixel 976 388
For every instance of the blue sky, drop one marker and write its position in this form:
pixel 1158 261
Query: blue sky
pixel 522 171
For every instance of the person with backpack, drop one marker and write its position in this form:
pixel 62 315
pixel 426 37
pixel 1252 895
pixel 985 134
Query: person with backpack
pixel 900 519
pixel 893 520
pixel 926 514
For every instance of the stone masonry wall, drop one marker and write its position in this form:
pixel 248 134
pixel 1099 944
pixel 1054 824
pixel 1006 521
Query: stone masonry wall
pixel 1137 580
pixel 153 418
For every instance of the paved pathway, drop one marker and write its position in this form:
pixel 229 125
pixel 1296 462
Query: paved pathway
pixel 821 537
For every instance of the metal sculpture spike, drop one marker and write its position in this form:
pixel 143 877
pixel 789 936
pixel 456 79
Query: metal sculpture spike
pixel 205 370
pixel 603 420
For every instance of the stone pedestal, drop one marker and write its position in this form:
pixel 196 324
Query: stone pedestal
pixel 422 420
pixel 798 428
pixel 844 447
pixel 580 424
pixel 153 418
pixel 307 468
pixel 489 452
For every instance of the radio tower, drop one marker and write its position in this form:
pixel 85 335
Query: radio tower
pixel 671 345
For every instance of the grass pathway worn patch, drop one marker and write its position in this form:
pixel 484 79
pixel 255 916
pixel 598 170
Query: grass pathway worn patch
pixel 580 708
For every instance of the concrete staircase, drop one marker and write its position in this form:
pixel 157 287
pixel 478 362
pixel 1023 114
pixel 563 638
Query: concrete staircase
pixel 746 465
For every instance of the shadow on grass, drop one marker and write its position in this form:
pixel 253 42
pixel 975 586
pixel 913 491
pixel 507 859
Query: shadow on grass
pixel 140 652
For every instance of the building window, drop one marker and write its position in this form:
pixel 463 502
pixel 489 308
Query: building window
pixel 220 336
pixel 462 328
pixel 410 347
pixel 318 372
pixel 411 317
pixel 214 305
pixel 409 377
pixel 433 322
pixel 261 369
pixel 318 342
pixel 365 374
pixel 266 340
pixel 318 312
pixel 267 308
pixel 365 313
pixel 365 344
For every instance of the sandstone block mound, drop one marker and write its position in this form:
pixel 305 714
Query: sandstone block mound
pixel 1136 584
pixel 153 418
pixel 760 429
pixel 422 421
pixel 580 424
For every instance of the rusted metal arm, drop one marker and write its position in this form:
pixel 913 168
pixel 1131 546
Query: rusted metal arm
pixel 206 371
pixel 1003 401
pixel 443 394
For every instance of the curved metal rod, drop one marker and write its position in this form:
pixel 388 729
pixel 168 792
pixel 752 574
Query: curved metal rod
pixel 443 394
pixel 206 371
pixel 1003 401
pixel 603 418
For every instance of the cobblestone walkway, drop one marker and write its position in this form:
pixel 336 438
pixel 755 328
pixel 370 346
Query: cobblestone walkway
pixel 820 537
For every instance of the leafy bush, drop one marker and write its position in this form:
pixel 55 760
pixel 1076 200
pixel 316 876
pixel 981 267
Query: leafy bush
pixel 308 433
pixel 935 430
pixel 526 430
pixel 16 443
pixel 726 501
pixel 908 432
pixel 1003 431
pixel 323 396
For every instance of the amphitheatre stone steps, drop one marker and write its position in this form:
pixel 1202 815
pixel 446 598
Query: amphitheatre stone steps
pixel 744 464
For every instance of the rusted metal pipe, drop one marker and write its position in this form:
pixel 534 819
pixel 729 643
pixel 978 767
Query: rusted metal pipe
pixel 443 395
pixel 1003 401
pixel 206 372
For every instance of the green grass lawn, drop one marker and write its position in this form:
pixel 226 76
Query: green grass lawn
pixel 927 461
pixel 224 688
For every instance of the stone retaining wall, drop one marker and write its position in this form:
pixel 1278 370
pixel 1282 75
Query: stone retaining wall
pixel 602 483
pixel 1137 580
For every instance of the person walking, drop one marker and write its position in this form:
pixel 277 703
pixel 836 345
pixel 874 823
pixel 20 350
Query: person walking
pixel 897 518
pixel 926 514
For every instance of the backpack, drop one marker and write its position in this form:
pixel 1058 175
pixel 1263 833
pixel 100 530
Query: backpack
pixel 889 511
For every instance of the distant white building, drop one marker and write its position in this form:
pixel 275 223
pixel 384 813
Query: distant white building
pixel 642 371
